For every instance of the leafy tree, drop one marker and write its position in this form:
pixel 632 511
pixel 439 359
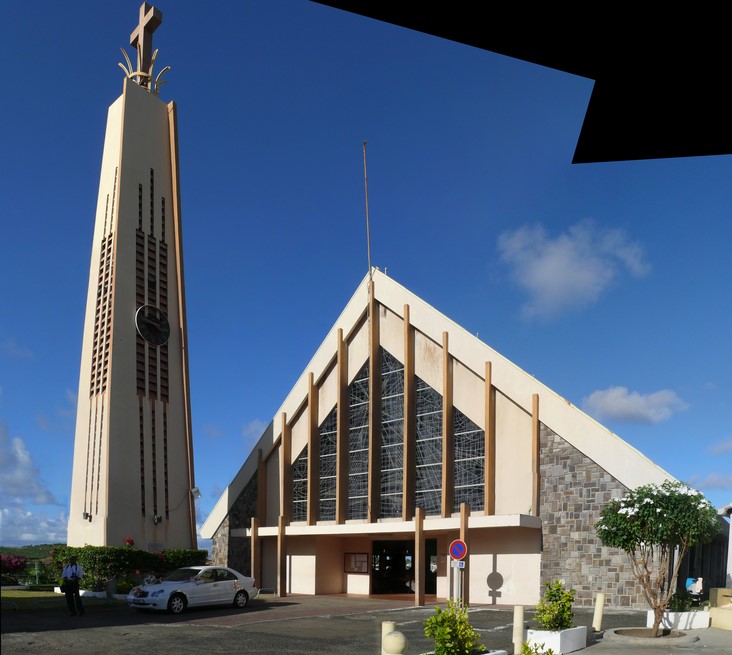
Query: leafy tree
pixel 652 522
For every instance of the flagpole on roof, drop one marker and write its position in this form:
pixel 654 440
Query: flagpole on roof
pixel 368 228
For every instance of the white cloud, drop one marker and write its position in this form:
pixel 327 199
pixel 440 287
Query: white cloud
pixel 254 429
pixel 714 481
pixel 11 349
pixel 721 447
pixel 212 431
pixel 570 270
pixel 63 418
pixel 19 477
pixel 619 404
pixel 69 409
pixel 20 527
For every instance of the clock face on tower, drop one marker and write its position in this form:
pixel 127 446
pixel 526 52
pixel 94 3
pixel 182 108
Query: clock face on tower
pixel 152 325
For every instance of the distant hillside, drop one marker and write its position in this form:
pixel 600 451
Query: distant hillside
pixel 39 551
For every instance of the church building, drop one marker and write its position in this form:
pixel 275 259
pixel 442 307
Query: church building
pixel 405 436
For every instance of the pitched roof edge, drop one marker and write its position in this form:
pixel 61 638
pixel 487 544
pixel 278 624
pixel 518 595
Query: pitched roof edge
pixel 583 432
pixel 320 360
pixel 594 440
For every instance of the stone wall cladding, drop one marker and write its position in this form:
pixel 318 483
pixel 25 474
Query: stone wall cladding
pixel 220 544
pixel 573 491
pixel 227 550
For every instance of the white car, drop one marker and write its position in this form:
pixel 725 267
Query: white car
pixel 194 586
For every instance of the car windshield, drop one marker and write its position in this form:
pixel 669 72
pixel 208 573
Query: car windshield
pixel 179 575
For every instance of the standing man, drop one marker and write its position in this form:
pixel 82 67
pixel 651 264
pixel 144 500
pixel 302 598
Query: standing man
pixel 71 575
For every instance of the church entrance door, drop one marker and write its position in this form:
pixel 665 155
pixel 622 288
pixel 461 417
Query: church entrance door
pixel 392 567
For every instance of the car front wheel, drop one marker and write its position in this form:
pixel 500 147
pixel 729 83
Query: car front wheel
pixel 176 604
pixel 241 599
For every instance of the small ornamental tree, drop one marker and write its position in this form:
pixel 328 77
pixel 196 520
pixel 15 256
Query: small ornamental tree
pixel 651 522
pixel 10 566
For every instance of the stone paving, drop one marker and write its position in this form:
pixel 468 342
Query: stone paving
pixel 307 625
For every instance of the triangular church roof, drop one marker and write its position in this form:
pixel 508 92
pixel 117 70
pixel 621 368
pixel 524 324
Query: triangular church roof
pixel 625 463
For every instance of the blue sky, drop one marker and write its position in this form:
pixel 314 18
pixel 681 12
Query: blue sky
pixel 608 282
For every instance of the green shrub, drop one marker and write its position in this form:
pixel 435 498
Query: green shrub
pixel 680 601
pixel 535 649
pixel 554 611
pixel 12 563
pixel 452 631
pixel 102 563
pixel 178 558
pixel 124 586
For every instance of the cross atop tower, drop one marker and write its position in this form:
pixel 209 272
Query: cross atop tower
pixel 150 19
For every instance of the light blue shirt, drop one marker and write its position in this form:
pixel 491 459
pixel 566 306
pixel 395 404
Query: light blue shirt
pixel 71 570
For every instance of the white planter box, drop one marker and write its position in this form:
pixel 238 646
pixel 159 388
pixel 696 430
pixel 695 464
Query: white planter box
pixel 85 593
pixel 681 620
pixel 562 641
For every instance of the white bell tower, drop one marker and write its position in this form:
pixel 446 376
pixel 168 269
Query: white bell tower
pixel 133 453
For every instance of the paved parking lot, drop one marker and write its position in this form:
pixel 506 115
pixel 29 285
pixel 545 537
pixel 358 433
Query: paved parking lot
pixel 337 625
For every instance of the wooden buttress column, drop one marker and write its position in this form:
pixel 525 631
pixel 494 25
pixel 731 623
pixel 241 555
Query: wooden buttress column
pixel 420 563
pixel 374 475
pixel 448 450
pixel 342 430
pixel 410 421
pixel 535 454
pixel 490 442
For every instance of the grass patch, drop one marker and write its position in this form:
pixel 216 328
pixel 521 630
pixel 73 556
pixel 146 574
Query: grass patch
pixel 45 601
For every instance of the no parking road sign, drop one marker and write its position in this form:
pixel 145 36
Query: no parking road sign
pixel 458 549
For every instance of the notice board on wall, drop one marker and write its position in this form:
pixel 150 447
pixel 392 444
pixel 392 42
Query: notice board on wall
pixel 356 563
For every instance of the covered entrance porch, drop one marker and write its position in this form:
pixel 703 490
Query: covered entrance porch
pixel 402 558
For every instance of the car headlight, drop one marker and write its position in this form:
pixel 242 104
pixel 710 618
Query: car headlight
pixel 156 594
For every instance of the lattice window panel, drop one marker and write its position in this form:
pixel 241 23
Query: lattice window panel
pixel 469 469
pixel 300 487
pixel 428 474
pixel 327 465
pixel 469 443
pixel 358 444
pixel 392 435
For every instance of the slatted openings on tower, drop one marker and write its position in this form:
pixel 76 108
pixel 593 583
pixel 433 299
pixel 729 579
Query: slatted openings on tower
pixel 141 414
pixel 153 441
pixel 163 304
pixel 140 300
pixel 152 287
pixel 103 307
pixel 165 461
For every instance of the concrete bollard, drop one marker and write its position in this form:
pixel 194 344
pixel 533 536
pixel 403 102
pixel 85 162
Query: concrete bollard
pixel 386 628
pixel 597 618
pixel 394 643
pixel 518 628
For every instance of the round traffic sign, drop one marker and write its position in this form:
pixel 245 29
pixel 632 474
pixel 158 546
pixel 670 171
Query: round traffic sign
pixel 458 549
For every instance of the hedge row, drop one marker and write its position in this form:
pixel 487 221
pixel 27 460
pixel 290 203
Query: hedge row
pixel 104 563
